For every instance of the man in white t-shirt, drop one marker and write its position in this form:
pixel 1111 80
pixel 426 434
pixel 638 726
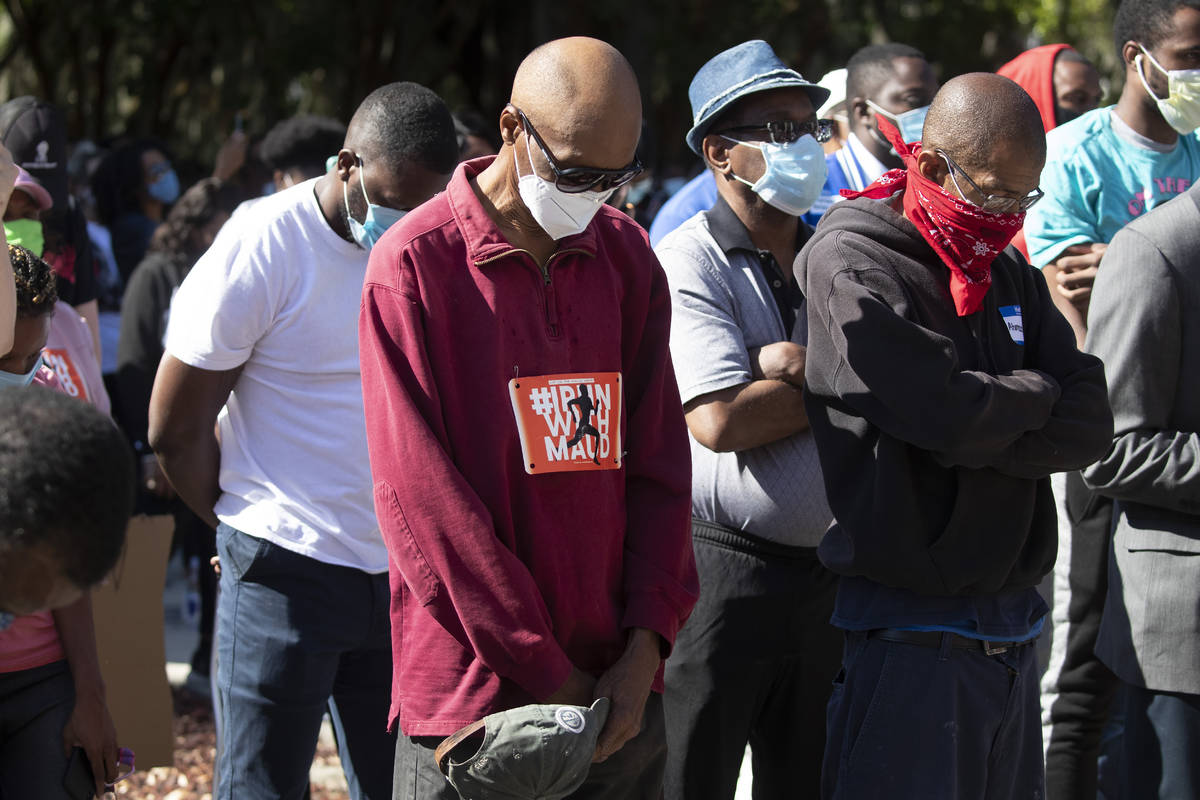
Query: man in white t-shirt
pixel 262 345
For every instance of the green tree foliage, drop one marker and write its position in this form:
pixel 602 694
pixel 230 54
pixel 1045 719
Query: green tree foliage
pixel 181 69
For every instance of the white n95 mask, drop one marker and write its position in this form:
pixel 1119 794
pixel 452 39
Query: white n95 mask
pixel 560 214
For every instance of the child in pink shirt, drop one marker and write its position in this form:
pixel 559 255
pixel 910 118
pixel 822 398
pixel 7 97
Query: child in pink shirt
pixel 48 658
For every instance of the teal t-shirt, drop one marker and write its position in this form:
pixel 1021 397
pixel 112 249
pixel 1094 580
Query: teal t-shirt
pixel 1097 180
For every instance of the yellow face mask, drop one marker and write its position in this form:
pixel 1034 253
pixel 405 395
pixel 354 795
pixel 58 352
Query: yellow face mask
pixel 1181 107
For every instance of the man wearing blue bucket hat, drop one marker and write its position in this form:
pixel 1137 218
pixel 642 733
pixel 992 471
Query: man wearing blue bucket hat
pixel 758 502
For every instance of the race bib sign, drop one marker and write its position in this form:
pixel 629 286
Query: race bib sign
pixel 569 422
pixel 68 375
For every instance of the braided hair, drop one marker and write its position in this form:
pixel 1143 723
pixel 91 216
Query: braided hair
pixel 36 292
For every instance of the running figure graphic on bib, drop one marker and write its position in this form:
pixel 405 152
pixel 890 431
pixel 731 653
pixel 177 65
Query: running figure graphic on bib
pixel 582 408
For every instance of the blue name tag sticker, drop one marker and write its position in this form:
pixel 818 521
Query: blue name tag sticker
pixel 1012 319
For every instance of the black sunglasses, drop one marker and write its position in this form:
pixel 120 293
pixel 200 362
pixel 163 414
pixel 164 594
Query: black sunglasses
pixel 786 131
pixel 581 179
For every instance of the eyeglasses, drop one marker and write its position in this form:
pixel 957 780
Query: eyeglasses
pixel 994 203
pixel 786 131
pixel 574 180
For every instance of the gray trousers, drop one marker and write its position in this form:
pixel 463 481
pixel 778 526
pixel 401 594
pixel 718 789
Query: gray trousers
pixel 635 772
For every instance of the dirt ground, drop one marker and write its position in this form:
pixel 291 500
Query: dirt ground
pixel 195 745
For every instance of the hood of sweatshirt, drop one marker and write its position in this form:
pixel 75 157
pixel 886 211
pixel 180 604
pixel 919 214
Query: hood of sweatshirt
pixel 1033 71
pixel 879 221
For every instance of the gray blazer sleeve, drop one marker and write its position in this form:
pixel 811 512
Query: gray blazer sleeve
pixel 1135 327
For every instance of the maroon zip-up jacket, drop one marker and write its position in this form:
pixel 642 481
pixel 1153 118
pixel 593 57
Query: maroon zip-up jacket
pixel 501 579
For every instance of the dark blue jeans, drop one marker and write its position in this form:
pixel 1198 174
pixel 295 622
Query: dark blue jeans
pixel 296 636
pixel 911 721
pixel 1162 733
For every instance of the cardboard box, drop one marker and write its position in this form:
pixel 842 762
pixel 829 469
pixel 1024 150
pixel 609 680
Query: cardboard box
pixel 128 610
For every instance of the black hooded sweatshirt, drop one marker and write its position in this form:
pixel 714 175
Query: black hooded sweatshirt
pixel 937 433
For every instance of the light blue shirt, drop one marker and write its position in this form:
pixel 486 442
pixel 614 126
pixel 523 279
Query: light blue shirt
pixel 1100 175
pixel 852 167
pixel 697 195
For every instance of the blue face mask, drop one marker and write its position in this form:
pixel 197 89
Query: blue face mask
pixel 910 123
pixel 378 219
pixel 6 620
pixel 8 379
pixel 794 174
pixel 165 188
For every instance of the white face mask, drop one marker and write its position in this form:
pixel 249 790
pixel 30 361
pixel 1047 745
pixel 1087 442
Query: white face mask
pixel 560 214
pixel 794 174
pixel 1181 107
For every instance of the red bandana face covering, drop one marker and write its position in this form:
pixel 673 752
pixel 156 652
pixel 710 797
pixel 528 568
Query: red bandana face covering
pixel 964 236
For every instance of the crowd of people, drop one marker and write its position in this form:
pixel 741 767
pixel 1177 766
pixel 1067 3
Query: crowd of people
pixel 541 480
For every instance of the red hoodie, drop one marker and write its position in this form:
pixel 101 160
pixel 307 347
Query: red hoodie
pixel 1033 71
pixel 516 548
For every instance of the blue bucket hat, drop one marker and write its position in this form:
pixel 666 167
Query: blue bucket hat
pixel 729 76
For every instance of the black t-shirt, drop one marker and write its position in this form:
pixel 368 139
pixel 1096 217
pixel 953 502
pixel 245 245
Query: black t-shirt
pixel 144 311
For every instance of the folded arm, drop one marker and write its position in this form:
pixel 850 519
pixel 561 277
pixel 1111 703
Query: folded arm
pixel 1079 427
pixel 905 378
pixel 735 398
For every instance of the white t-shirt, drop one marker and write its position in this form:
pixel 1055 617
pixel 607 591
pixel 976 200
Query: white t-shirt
pixel 282 297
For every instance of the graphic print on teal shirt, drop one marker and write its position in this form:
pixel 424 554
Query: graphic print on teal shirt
pixel 1096 181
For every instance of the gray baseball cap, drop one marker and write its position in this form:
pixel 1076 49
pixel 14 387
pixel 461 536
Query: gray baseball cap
pixel 536 752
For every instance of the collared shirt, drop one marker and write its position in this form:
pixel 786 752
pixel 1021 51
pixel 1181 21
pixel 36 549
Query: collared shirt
pixel 852 167
pixel 732 235
pixel 859 164
pixel 505 572
pixel 700 193
pixel 726 302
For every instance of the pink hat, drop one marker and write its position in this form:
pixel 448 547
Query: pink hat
pixel 29 185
